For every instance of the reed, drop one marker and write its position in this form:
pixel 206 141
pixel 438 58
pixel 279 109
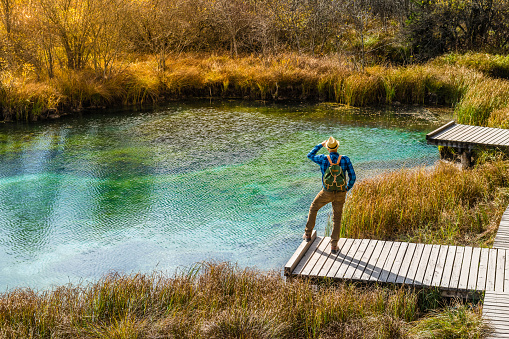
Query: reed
pixel 474 95
pixel 442 205
pixel 219 300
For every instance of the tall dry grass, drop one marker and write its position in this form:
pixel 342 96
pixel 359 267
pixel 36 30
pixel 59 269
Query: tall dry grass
pixel 217 301
pixel 474 95
pixel 443 205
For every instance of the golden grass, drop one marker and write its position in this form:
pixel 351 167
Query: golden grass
pixel 444 205
pixel 288 76
pixel 220 301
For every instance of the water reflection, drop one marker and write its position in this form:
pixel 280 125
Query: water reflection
pixel 138 191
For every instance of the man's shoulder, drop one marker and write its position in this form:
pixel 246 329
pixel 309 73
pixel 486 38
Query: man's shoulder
pixel 347 159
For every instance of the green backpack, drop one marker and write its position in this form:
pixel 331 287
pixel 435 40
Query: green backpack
pixel 334 178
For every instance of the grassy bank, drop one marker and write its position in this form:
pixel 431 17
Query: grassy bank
pixel 477 97
pixel 222 301
pixel 443 205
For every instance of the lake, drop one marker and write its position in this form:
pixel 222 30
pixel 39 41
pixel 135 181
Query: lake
pixel 162 189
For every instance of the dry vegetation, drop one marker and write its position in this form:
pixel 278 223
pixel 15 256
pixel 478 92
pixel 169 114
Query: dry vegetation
pixel 289 76
pixel 442 205
pixel 222 301
pixel 65 55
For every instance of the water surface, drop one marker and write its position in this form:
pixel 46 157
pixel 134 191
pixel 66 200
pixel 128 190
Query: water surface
pixel 158 190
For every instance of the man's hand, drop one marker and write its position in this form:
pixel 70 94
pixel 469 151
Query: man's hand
pixel 324 142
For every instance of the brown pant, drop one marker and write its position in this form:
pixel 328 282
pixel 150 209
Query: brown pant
pixel 322 199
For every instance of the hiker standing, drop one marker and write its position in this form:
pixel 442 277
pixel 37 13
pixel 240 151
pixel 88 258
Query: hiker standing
pixel 333 167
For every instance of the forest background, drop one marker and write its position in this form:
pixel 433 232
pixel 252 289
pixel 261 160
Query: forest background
pixel 65 55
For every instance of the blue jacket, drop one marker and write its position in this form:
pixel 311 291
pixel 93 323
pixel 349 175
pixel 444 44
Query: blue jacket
pixel 322 160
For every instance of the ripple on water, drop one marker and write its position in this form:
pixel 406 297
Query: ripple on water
pixel 166 189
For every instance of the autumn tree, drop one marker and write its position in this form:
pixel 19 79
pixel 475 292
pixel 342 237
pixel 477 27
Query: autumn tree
pixel 232 18
pixel 72 22
pixel 163 26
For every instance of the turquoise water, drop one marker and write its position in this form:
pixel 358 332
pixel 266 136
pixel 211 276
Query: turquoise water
pixel 159 190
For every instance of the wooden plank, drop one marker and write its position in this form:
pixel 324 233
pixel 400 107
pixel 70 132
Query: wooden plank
pixel 381 261
pixel 414 264
pixel 348 259
pixel 474 134
pixel 483 265
pixel 497 134
pixel 492 269
pixel 494 314
pixel 461 133
pixel 397 263
pixel 450 124
pixel 405 263
pixel 322 252
pixel 330 260
pixel 421 269
pixel 368 271
pixel 503 139
pixel 440 265
pixel 474 269
pixel 485 132
pixel 317 254
pixel 456 269
pixel 307 256
pixel 299 253
pixel 356 259
pixel 492 303
pixel 491 138
pixel 430 268
pixel 386 270
pixel 364 260
pixel 506 276
pixel 502 309
pixel 448 266
pixel 499 276
pixel 339 258
pixel 465 268
pixel 502 134
pixel 493 134
pixel 451 132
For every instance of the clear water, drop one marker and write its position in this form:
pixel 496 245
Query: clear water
pixel 159 190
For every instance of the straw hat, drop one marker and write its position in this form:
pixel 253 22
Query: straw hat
pixel 332 144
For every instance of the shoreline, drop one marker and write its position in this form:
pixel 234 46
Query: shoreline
pixel 286 77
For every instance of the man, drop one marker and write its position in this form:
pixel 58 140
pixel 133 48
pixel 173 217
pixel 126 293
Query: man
pixel 334 187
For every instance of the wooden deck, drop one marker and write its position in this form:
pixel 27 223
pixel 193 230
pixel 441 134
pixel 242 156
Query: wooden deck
pixel 466 136
pixel 496 305
pixel 456 270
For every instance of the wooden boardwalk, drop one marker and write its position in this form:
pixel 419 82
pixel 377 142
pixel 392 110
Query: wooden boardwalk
pixel 496 305
pixel 456 270
pixel 466 136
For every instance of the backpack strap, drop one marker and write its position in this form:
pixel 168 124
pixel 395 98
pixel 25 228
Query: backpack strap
pixel 330 161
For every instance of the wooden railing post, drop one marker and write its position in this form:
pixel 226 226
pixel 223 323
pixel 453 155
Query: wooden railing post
pixel 466 156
